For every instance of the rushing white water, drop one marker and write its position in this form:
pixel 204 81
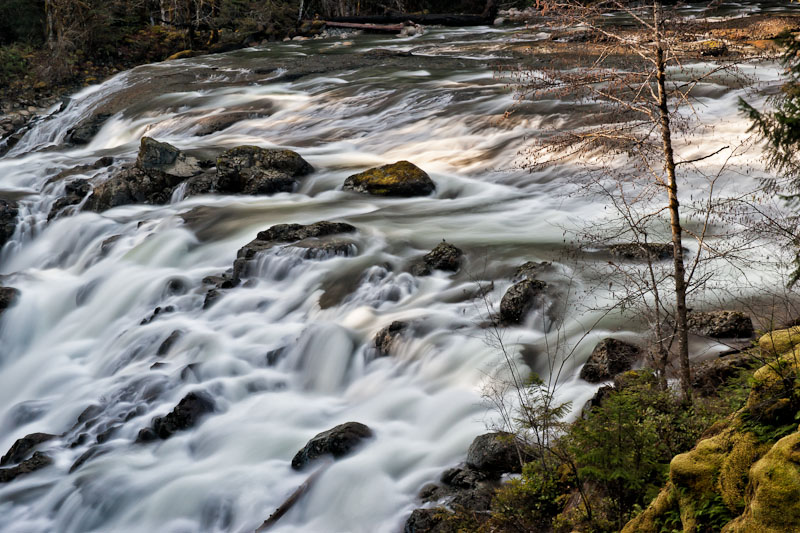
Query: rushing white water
pixel 290 354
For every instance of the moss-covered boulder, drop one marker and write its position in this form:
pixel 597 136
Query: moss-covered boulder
pixel 779 341
pixel 398 179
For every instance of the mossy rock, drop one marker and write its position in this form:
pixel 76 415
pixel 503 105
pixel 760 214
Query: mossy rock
pixel 734 472
pixel 652 519
pixel 398 179
pixel 773 383
pixel 181 55
pixel 773 504
pixel 779 341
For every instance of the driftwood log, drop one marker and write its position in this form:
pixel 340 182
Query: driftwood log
pixel 380 28
pixel 292 499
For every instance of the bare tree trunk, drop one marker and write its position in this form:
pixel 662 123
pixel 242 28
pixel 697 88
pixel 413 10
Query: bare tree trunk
pixel 674 211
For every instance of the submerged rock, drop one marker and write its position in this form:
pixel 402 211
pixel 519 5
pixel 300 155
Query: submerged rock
pixel 397 179
pixel 186 414
pixel 721 324
pixel 85 131
pixel 23 446
pixel 255 170
pixel 519 299
pixel 386 337
pixel 36 462
pixel 494 454
pixel 338 442
pixel 444 256
pixel 74 193
pixel 609 358
pixel 531 270
pixel 8 220
pixel 309 236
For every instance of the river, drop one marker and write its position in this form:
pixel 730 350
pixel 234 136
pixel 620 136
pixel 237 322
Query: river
pixel 290 354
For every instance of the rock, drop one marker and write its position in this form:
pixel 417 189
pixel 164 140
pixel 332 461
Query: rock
pixel 185 415
pixel 316 249
pixel 721 324
pixel 463 477
pixel 494 454
pixel 779 342
pixel 426 521
pixel 531 270
pixel 132 186
pixel 499 21
pixel 8 220
pixel 23 446
pixel 74 193
pixel 37 462
pixel 85 131
pixel 444 256
pixel 709 376
pixel 212 297
pixel 8 297
pixel 338 442
pixel 387 336
pixel 254 170
pixel 398 179
pixel 288 233
pixel 213 123
pixel 609 358
pixel 163 157
pixel 642 251
pixel 519 300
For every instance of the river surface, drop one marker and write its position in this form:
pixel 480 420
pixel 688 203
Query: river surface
pixel 290 354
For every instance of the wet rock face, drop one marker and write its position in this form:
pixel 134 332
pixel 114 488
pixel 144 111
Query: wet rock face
pixel 518 300
pixel 494 454
pixel 338 442
pixel 74 192
pixel 426 521
pixel 444 256
pixel 721 324
pixel 8 220
pixel 85 131
pixel 186 414
pixel 398 179
pixel 22 447
pixel 132 186
pixel 36 462
pixel 642 252
pixel 609 358
pixel 254 170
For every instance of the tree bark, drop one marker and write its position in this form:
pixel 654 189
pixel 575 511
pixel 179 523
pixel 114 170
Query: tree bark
pixel 674 212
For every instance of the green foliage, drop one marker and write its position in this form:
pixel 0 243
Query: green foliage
pixel 529 502
pixel 712 514
pixel 13 64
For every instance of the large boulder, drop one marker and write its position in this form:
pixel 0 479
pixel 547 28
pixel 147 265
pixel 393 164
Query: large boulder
pixel 426 521
pixel 8 220
pixel 255 170
pixel 609 358
pixel 398 179
pixel 721 324
pixel 444 256
pixel 133 186
pixel 338 442
pixel 494 454
pixel 163 157
pixel 8 297
pixel 519 299
pixel 709 376
pixel 185 415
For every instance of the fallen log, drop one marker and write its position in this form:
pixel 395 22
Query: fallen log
pixel 425 20
pixel 292 499
pixel 382 28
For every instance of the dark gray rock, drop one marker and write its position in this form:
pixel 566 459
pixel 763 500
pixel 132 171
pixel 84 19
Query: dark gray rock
pixel 532 270
pixel 85 131
pixel 386 337
pixel 338 442
pixel 709 376
pixel 254 170
pixel 444 256
pixel 23 446
pixel 721 324
pixel 519 299
pixel 426 521
pixel 642 251
pixel 8 297
pixel 185 415
pixel 133 186
pixel 37 462
pixel 609 358
pixel 494 454
pixel 8 220
pixel 397 179
pixel 163 157
pixel 315 249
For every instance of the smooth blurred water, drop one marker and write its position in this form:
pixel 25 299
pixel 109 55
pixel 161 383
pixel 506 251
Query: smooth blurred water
pixel 290 355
